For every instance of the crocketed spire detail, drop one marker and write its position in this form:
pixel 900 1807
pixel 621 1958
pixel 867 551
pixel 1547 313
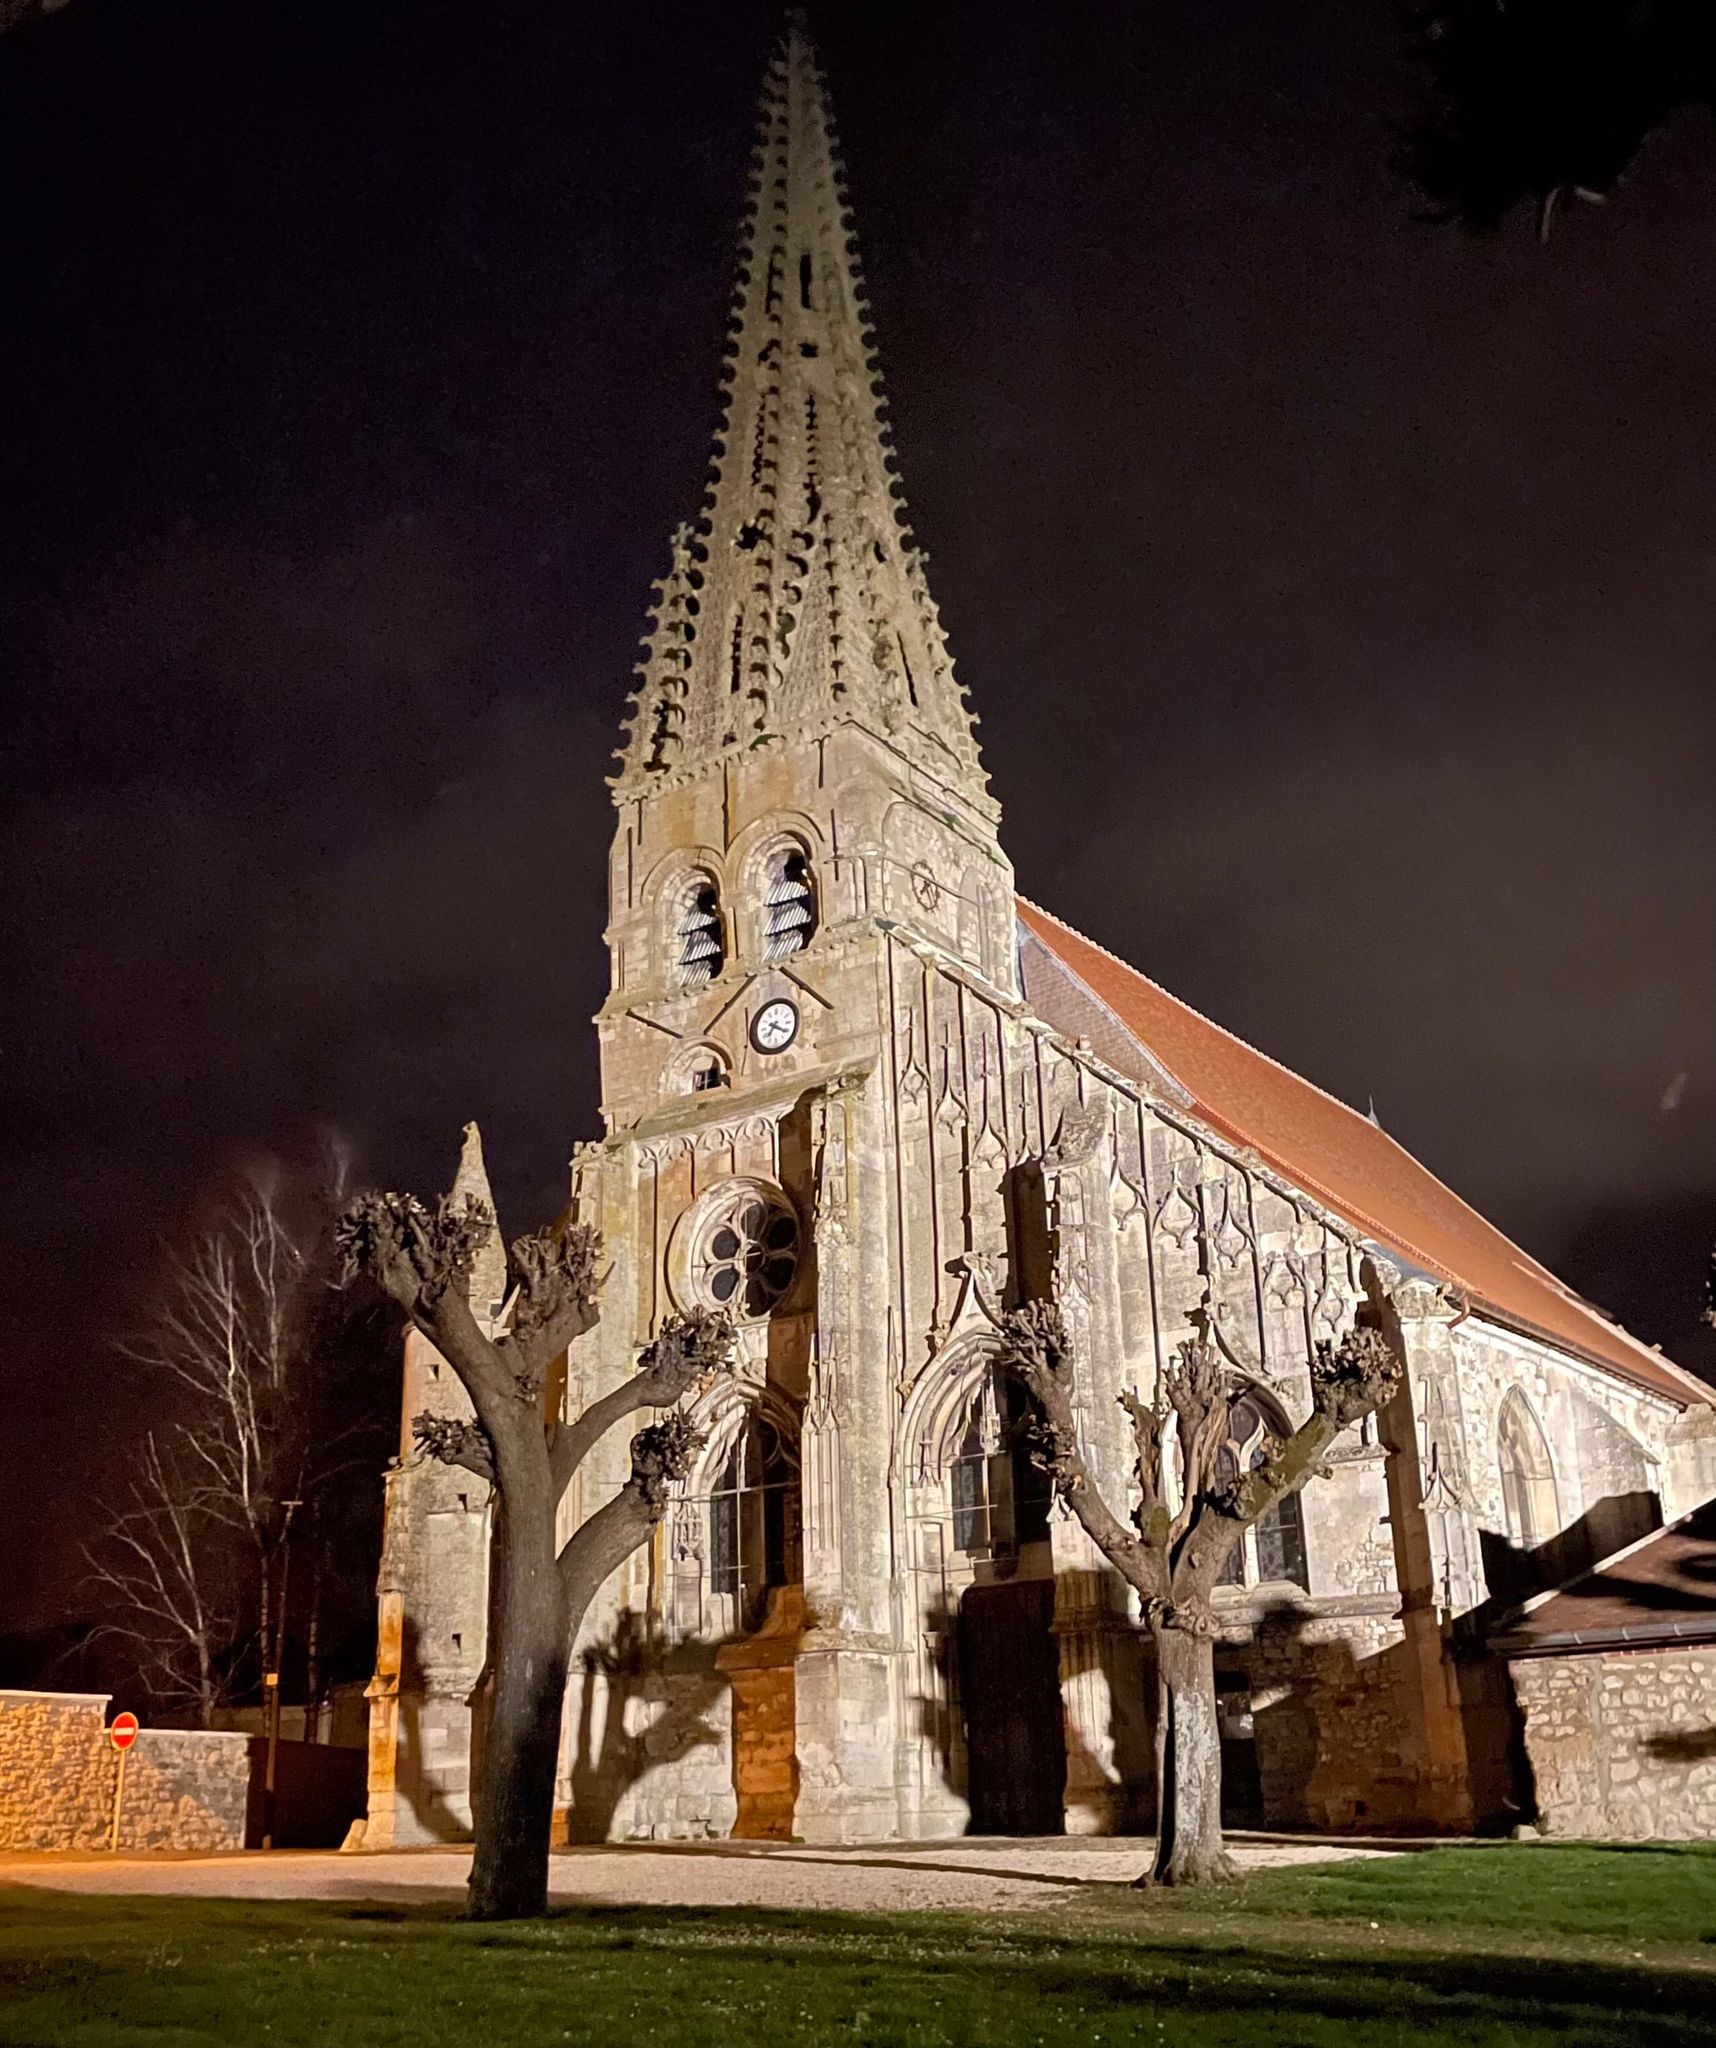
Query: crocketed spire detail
pixel 799 601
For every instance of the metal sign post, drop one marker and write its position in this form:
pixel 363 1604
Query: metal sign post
pixel 122 1735
pixel 271 1678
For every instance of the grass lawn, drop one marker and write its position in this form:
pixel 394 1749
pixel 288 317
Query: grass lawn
pixel 1519 1944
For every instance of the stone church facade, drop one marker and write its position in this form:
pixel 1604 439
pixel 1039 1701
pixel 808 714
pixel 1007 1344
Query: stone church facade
pixel 859 1093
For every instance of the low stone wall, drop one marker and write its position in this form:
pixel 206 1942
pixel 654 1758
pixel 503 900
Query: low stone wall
pixel 56 1787
pixel 183 1789
pixel 1623 1746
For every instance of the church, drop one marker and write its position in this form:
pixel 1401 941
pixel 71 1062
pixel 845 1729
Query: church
pixel 859 1092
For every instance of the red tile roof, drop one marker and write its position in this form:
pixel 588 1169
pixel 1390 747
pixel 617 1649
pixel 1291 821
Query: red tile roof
pixel 1345 1161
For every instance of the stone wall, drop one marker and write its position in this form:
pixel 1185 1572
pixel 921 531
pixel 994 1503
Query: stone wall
pixel 1622 1461
pixel 184 1789
pixel 649 1751
pixel 1623 1746
pixel 56 1783
pixel 1330 1721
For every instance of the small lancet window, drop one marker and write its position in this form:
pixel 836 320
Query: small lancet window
pixel 999 1495
pixel 804 274
pixel 754 1521
pixel 702 948
pixel 1272 1550
pixel 789 904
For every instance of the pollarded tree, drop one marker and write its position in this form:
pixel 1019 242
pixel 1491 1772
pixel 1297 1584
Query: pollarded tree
pixel 422 1259
pixel 1199 1489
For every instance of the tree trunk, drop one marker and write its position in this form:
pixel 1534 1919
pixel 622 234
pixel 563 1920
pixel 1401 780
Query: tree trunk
pixel 1188 1763
pixel 515 1801
pixel 205 1679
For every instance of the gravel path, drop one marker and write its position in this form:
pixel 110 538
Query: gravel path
pixel 965 1876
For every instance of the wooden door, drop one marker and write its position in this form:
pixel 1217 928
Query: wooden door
pixel 1010 1694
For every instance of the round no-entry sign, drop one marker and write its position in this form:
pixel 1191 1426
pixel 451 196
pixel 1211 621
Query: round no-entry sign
pixel 123 1732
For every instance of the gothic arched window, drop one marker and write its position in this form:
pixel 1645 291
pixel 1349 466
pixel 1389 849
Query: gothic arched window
pixel 789 903
pixel 754 1520
pixel 1272 1550
pixel 698 933
pixel 1000 1499
pixel 1527 1477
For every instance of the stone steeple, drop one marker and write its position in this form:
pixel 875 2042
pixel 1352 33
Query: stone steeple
pixel 488 1269
pixel 798 602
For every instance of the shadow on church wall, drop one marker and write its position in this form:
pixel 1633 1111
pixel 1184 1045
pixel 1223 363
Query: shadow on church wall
pixel 1340 1747
pixel 1514 1572
pixel 1020 1737
pixel 412 1763
pixel 612 1747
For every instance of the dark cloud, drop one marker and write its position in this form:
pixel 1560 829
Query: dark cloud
pixel 1337 595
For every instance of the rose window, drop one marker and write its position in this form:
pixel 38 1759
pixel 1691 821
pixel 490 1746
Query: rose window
pixel 746 1257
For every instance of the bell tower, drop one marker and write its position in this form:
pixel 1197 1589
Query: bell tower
pixel 803 835
pixel 800 766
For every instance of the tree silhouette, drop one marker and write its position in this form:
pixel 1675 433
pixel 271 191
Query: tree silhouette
pixel 1541 100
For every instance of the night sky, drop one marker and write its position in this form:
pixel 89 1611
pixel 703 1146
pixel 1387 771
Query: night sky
pixel 1337 593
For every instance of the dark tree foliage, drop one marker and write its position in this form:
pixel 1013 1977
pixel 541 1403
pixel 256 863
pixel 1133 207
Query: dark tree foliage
pixel 1539 100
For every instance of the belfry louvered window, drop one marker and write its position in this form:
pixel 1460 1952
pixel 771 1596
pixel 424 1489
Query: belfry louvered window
pixel 789 904
pixel 702 948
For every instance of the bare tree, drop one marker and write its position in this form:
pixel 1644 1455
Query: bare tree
pixel 231 1329
pixel 239 1348
pixel 519 1443
pixel 163 1572
pixel 1199 1489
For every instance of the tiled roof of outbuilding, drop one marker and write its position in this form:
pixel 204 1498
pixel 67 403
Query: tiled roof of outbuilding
pixel 1660 1590
pixel 1347 1162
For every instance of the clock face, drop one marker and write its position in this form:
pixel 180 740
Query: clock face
pixel 775 1026
pixel 925 887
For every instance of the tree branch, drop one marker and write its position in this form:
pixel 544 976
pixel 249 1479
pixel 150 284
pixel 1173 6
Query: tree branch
pixel 1350 1379
pixel 1034 1347
pixel 661 1454
pixel 453 1442
pixel 556 1299
pixel 687 1355
pixel 422 1261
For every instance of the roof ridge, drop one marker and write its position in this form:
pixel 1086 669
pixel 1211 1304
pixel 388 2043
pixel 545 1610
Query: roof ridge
pixel 1097 946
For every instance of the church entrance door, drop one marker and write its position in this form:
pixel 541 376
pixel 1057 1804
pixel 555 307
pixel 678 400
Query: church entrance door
pixel 1010 1689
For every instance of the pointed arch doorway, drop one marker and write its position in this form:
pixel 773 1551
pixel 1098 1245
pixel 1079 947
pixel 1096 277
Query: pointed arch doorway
pixel 982 1511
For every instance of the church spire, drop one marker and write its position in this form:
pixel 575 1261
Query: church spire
pixel 799 601
pixel 487 1285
